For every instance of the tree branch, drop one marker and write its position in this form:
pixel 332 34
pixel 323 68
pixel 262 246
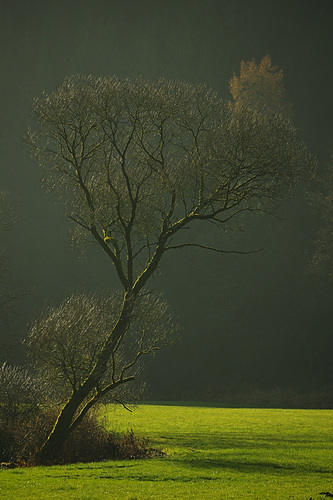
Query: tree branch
pixel 213 248
pixel 95 398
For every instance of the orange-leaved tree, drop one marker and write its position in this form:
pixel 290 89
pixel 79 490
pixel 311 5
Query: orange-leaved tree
pixel 260 86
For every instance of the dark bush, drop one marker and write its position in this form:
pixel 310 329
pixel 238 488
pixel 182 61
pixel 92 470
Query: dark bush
pixel 90 442
pixel 27 417
pixel 23 420
pixel 21 438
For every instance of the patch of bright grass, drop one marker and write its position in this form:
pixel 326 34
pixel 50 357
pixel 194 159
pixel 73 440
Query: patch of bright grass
pixel 212 453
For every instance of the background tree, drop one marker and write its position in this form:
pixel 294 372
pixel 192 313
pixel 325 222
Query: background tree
pixel 321 200
pixel 8 293
pixel 137 163
pixel 260 86
pixel 7 296
pixel 23 396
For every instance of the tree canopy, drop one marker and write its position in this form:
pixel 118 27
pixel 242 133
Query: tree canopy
pixel 137 162
pixel 64 342
pixel 261 86
pixel 321 199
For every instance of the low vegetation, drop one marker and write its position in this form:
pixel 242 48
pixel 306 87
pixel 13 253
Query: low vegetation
pixel 210 453
pixel 21 439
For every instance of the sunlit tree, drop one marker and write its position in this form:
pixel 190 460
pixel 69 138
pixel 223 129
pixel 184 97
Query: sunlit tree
pixel 260 86
pixel 137 163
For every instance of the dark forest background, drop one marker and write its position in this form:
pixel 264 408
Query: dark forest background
pixel 250 324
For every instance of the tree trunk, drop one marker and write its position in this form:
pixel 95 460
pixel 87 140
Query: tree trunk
pixel 62 427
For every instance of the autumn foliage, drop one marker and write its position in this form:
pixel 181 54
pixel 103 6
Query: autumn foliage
pixel 260 86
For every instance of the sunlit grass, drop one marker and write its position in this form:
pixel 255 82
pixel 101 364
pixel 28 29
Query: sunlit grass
pixel 212 453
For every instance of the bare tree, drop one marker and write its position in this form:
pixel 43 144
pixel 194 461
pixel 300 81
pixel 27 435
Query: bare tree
pixel 321 200
pixel 21 394
pixel 65 343
pixel 23 397
pixel 137 163
pixel 7 219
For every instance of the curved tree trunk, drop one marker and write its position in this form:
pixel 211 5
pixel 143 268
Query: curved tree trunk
pixel 63 424
pixel 62 427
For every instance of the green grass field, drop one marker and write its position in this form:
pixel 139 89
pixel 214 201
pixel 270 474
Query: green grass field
pixel 212 453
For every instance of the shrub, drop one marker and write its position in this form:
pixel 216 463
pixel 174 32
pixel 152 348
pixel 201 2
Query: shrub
pixel 22 413
pixel 21 394
pixel 21 439
pixel 91 442
pixel 27 418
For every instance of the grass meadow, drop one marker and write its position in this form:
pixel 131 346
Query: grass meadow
pixel 211 453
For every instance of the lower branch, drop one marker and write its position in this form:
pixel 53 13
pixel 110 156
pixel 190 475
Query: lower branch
pixel 213 249
pixel 94 400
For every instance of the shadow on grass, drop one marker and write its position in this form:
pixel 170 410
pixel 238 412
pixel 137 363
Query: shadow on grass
pixel 192 468
pixel 248 465
pixel 218 442
pixel 201 457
